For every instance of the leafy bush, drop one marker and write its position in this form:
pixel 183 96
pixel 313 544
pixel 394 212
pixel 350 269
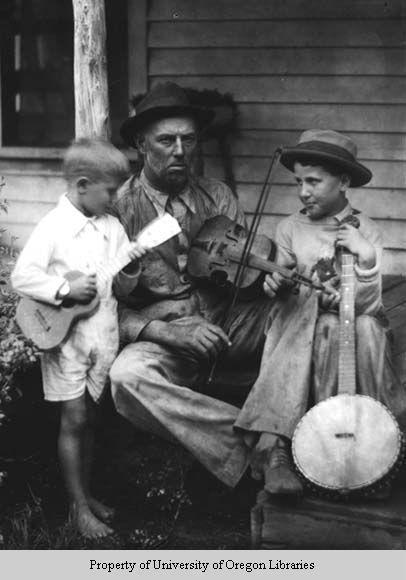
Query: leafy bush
pixel 17 354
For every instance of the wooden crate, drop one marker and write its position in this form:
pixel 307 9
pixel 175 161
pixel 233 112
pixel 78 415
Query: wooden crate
pixel 317 524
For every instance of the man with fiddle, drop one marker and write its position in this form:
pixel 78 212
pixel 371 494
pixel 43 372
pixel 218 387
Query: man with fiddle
pixel 300 361
pixel 170 329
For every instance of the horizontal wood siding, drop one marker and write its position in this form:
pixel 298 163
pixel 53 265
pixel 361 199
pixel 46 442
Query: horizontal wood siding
pixel 291 66
pixel 32 188
pixel 275 9
pixel 262 33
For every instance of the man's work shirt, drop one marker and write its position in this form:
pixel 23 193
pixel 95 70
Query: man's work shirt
pixel 163 273
pixel 306 242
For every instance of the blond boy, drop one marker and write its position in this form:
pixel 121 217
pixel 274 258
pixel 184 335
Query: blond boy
pixel 78 234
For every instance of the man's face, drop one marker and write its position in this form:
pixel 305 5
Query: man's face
pixel 96 197
pixel 322 194
pixel 168 146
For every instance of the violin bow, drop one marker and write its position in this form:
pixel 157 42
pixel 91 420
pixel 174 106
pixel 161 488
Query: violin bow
pixel 252 232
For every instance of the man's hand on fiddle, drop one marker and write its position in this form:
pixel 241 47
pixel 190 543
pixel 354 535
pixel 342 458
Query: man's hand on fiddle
pixel 194 336
pixel 275 283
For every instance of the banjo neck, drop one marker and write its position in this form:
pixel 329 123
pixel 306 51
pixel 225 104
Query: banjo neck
pixel 346 358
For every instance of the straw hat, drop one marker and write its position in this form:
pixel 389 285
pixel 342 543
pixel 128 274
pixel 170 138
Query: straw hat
pixel 324 145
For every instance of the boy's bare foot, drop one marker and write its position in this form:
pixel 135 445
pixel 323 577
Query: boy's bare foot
pixel 87 524
pixel 100 510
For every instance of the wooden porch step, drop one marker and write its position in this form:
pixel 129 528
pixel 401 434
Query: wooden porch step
pixel 317 524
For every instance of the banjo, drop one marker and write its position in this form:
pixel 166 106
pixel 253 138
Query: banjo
pixel 348 442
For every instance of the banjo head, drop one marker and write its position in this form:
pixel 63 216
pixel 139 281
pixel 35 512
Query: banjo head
pixel 346 443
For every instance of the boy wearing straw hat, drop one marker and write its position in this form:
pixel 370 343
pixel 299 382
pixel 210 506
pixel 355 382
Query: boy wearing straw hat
pixel 300 359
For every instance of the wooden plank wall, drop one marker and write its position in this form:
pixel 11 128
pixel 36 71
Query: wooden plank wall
pixel 292 65
pixel 33 185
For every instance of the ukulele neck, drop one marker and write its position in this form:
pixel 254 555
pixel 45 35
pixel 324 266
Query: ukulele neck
pixel 346 359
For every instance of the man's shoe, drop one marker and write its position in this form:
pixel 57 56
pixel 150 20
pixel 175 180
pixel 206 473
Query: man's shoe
pixel 279 474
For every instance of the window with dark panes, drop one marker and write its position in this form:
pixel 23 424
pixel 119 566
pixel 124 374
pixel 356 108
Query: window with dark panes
pixel 37 105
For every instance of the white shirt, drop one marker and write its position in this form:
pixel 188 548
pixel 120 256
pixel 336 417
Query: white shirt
pixel 65 239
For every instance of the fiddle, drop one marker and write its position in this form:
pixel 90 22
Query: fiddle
pixel 218 249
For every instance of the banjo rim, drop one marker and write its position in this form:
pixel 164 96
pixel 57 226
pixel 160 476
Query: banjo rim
pixel 385 470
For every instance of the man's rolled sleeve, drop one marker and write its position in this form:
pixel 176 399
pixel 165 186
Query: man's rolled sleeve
pixel 131 324
pixel 126 281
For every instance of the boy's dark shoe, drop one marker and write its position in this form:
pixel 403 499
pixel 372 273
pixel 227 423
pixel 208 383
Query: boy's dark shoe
pixel 279 474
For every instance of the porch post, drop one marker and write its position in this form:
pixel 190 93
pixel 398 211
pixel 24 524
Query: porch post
pixel 90 70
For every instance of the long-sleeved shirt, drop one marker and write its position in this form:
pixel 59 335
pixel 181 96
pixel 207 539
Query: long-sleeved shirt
pixel 304 241
pixel 64 240
pixel 163 273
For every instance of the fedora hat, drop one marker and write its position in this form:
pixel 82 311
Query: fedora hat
pixel 329 146
pixel 164 100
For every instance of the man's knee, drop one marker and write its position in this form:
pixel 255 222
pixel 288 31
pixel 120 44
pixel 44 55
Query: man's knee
pixel 127 368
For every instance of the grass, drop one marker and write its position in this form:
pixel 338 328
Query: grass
pixel 152 484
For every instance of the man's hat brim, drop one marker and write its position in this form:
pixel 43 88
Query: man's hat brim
pixel 135 124
pixel 334 155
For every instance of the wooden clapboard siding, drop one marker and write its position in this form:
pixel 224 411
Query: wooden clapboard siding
pixel 291 66
pixel 276 9
pixel 291 89
pixel 276 33
pixel 227 61
pixel 262 142
pixel 33 185
pixel 252 169
pixel 137 46
pixel 345 117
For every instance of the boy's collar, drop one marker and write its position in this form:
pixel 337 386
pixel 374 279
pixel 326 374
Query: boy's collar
pixel 76 220
pixel 347 210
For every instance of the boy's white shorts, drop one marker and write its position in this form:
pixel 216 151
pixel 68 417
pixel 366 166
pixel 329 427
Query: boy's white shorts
pixel 83 361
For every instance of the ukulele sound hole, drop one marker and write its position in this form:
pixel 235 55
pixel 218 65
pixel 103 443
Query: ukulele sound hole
pixel 344 435
pixel 42 320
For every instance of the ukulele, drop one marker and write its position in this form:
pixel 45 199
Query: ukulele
pixel 48 325
pixel 348 442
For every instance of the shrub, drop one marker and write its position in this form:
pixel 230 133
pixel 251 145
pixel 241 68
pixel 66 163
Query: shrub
pixel 17 354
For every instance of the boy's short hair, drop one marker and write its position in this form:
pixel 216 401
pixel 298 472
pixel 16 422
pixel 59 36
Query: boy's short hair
pixel 95 159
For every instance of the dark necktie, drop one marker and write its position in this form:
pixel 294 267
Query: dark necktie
pixel 178 210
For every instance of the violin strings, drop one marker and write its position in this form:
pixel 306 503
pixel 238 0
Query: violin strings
pixel 263 198
pixel 252 232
